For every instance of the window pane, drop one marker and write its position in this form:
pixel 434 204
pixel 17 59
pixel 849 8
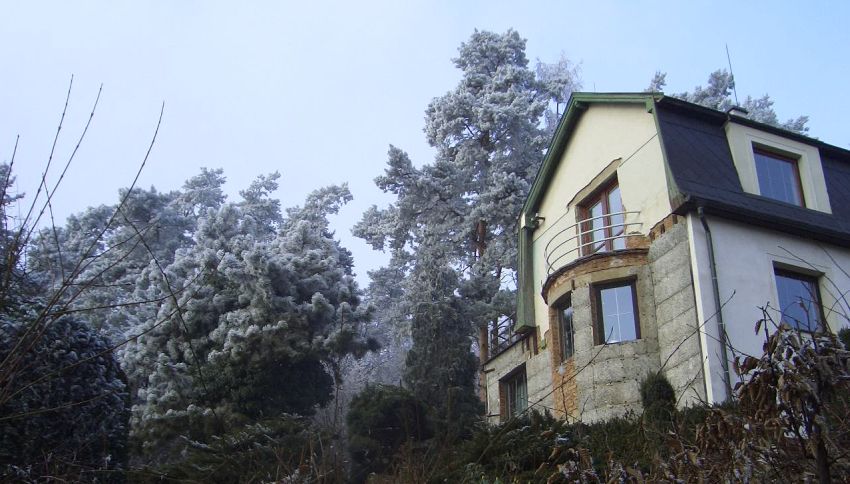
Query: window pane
pixel 522 393
pixel 778 178
pixel 566 331
pixel 516 393
pixel 615 206
pixel 798 301
pixel 618 318
pixel 597 224
pixel 511 400
pixel 602 231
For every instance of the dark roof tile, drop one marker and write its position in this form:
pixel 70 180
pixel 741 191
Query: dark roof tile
pixel 701 164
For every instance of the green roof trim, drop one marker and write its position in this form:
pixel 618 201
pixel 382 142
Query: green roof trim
pixel 525 282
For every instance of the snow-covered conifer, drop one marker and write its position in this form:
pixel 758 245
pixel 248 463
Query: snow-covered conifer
pixel 251 321
pixel 717 94
pixel 459 213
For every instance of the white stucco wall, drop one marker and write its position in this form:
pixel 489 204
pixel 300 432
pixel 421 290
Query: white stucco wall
pixel 745 257
pixel 605 133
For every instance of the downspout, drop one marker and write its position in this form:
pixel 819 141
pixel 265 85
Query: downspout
pixel 718 308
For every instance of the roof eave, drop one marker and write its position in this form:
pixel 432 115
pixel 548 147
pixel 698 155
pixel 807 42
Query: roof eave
pixel 690 203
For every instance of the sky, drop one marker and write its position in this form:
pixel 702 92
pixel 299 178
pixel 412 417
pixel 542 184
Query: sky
pixel 319 90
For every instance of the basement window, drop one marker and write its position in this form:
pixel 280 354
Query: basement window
pixel 514 392
pixel 616 312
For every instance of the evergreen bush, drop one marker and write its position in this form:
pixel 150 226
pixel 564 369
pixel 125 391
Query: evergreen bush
pixel 381 419
pixel 658 399
pixel 64 406
pixel 280 449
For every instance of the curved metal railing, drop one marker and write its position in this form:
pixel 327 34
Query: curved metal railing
pixel 579 239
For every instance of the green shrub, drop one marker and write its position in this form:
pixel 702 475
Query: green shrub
pixel 280 449
pixel 516 449
pixel 658 399
pixel 532 448
pixel 381 419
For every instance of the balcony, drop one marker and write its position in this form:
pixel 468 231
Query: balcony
pixel 502 336
pixel 592 235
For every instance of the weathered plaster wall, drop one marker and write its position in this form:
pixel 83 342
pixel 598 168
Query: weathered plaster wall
pixel 616 138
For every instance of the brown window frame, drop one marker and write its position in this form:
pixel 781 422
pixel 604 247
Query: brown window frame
pixel 509 410
pixel 600 195
pixel 561 306
pixel 598 321
pixel 793 161
pixel 808 277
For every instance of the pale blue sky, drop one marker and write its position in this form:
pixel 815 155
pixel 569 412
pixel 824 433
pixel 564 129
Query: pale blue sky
pixel 317 90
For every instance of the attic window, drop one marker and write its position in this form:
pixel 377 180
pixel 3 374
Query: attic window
pixel 778 177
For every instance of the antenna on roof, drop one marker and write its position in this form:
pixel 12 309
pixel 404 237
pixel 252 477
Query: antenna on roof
pixel 729 60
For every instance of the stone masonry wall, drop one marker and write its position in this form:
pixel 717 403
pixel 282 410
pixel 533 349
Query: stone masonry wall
pixel 676 318
pixel 537 374
pixel 608 376
pixel 602 381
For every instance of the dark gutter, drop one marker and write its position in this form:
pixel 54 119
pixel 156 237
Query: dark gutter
pixel 727 383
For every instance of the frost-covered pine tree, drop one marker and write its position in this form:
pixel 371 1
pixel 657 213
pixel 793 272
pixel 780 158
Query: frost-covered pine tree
pixel 717 94
pixel 93 262
pixel 462 208
pixel 253 317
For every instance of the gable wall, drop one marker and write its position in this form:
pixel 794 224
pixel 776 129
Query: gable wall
pixel 623 138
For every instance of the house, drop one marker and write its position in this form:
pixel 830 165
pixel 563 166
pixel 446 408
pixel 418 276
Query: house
pixel 654 232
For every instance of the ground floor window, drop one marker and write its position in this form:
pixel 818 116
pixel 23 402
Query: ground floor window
pixel 616 312
pixel 565 327
pixel 514 394
pixel 799 300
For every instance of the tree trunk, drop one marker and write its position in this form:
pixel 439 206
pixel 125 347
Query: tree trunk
pixel 822 460
pixel 483 356
pixel 480 237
